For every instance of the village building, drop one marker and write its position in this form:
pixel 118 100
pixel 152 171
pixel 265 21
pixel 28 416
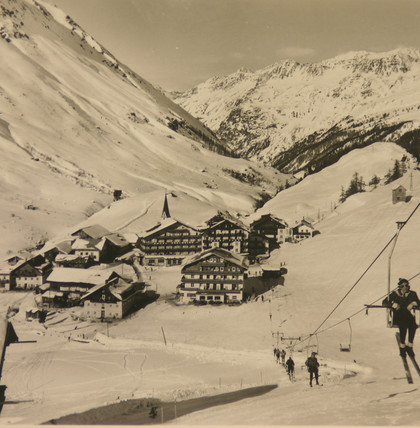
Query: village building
pixel 86 248
pixel 276 230
pixel 95 231
pixel 262 280
pixel 112 300
pixel 112 246
pixel 29 275
pixel 168 243
pixel 66 286
pixel 6 279
pixel 213 276
pixel 303 230
pixel 227 233
pixel 399 194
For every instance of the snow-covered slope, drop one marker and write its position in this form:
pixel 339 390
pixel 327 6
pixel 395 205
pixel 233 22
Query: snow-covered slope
pixel 305 116
pixel 75 124
pixel 215 349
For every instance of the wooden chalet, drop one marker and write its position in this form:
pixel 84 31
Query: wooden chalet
pixel 169 243
pixel 213 276
pixel 86 248
pixel 112 246
pixel 276 230
pixel 29 275
pixel 226 233
pixel 6 278
pixel 303 230
pixel 113 300
pixel 66 286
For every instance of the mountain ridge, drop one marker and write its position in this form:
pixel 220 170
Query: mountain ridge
pixel 291 109
pixel 76 124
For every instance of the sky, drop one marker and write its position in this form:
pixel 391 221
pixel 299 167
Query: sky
pixel 178 44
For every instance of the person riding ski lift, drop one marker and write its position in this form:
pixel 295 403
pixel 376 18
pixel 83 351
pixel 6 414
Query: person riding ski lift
pixel 402 302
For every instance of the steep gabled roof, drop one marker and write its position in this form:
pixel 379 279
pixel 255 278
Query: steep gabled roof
pixel 398 187
pixel 95 231
pixel 85 244
pixel 219 252
pixel 117 240
pixel 269 216
pixel 235 222
pixel 163 225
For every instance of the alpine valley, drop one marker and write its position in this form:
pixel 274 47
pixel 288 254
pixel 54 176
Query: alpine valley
pixel 86 141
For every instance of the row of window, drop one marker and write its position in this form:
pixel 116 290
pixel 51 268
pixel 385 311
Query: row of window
pixel 221 287
pixel 213 277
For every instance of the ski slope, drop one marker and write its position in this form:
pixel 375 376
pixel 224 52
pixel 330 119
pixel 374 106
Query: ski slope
pixel 217 349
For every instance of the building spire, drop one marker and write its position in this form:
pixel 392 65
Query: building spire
pixel 165 211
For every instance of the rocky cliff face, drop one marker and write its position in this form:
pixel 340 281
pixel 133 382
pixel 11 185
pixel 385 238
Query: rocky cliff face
pixel 305 116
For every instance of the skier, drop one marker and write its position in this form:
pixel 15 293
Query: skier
pixel 312 364
pixel 278 355
pixel 153 412
pixel 290 367
pixel 402 301
pixel 283 356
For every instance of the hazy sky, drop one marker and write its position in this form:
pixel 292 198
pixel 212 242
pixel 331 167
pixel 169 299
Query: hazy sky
pixel 179 43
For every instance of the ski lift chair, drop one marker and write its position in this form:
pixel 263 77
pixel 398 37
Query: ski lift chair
pixel 347 349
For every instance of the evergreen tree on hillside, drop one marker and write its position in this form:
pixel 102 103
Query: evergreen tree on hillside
pixel 394 173
pixel 357 185
pixel 375 180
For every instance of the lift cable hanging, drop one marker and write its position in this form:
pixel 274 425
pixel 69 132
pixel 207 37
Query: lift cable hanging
pixel 366 270
pixel 364 309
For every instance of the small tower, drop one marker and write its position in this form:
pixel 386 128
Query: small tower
pixel 165 210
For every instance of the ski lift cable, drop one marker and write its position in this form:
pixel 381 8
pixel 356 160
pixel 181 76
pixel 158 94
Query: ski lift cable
pixel 353 315
pixel 305 338
pixel 364 273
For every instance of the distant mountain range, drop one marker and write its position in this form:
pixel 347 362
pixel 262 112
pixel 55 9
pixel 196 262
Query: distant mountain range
pixel 298 117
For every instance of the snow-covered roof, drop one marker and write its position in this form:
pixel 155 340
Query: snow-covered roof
pixel 117 240
pixel 235 222
pixel 164 224
pixel 83 244
pixel 52 293
pixel 95 231
pixel 77 275
pixel 219 252
pixel 116 290
pixel 273 217
pixel 66 257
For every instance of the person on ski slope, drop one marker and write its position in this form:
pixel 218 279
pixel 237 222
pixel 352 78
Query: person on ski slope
pixel 402 301
pixel 312 364
pixel 283 356
pixel 290 364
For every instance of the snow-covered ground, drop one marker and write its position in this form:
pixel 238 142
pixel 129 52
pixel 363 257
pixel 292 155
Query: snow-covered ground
pixel 217 349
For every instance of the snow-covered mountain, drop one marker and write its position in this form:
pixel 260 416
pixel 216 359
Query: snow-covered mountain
pixel 76 124
pixel 305 116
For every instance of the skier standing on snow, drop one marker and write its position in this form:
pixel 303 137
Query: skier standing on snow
pixel 402 301
pixel 312 364
pixel 290 364
pixel 283 356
